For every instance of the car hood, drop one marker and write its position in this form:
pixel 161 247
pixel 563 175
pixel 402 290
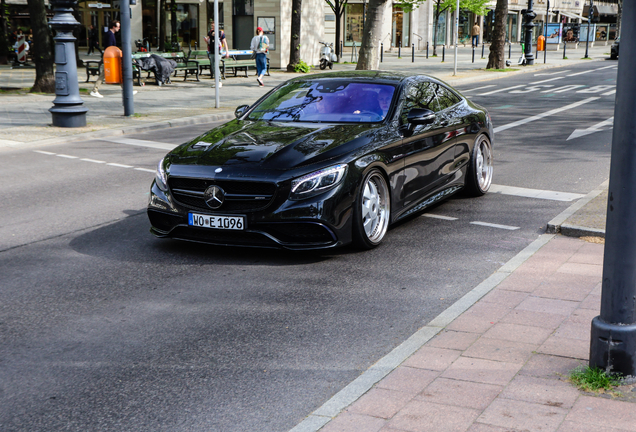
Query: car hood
pixel 271 145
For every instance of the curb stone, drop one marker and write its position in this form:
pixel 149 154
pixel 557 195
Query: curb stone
pixel 558 225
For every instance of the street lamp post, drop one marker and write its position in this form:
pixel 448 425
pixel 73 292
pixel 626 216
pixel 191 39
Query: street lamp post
pixel 68 109
pixel 613 336
pixel 589 24
pixel 528 16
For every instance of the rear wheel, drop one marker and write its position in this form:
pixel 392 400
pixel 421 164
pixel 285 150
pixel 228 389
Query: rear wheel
pixel 330 65
pixel 479 176
pixel 323 64
pixel 372 211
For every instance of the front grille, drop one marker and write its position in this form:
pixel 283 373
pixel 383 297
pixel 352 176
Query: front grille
pixel 221 237
pixel 241 196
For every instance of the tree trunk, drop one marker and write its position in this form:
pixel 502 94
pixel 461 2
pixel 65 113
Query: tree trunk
pixel 4 35
pixel 496 58
pixel 294 49
pixel 42 48
pixel 372 33
pixel 338 30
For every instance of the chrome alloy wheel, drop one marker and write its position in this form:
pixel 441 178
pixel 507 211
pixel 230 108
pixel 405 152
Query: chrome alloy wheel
pixel 375 207
pixel 483 163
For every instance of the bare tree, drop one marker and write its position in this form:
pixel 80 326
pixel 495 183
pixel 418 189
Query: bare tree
pixel 369 49
pixel 338 8
pixel 294 49
pixel 42 50
pixel 496 58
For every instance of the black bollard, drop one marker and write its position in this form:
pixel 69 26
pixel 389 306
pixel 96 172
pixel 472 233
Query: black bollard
pixel 427 49
pixel 509 50
pixel 482 49
pixel 443 53
pixel 399 49
pixel 68 110
pixel 473 54
pixel 412 53
pixel 564 45
pixel 381 52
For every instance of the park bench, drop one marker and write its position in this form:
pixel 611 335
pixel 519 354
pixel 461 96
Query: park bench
pixel 201 56
pixel 183 64
pixel 239 61
pixel 92 68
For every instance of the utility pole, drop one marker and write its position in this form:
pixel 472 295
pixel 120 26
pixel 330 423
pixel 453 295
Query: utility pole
pixel 528 16
pixel 613 338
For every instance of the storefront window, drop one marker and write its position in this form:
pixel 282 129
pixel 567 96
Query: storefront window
pixel 441 29
pixel 511 28
pixel 400 33
pixel 465 27
pixel 149 22
pixel 186 25
pixel 353 24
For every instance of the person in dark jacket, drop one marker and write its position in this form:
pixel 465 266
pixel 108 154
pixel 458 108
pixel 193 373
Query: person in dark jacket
pixel 109 40
pixel 93 42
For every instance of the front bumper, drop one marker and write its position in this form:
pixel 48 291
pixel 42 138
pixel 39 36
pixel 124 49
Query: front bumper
pixel 320 222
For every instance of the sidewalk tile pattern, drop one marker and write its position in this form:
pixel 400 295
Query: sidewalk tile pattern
pixel 503 364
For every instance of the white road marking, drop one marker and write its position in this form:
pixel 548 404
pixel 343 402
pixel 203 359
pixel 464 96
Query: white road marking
pixel 592 70
pixel 532 88
pixel 492 225
pixel 598 88
pixel 478 88
pixel 552 73
pixel 119 165
pixel 595 128
pixel 518 86
pixel 544 114
pixel 434 216
pixel 563 89
pixel 611 92
pixel 142 143
pixel 534 193
pixel 95 161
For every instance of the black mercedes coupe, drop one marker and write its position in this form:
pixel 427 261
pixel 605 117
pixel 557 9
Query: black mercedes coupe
pixel 324 160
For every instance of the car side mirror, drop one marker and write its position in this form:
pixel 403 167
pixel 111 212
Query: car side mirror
pixel 418 116
pixel 241 110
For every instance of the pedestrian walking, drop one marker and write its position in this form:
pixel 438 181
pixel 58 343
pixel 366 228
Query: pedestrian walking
pixel 260 45
pixel 109 40
pixel 211 39
pixel 93 42
pixel 475 33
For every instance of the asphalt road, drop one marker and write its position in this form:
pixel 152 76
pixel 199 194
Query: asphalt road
pixel 105 328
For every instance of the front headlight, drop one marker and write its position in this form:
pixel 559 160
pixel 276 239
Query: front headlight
pixel 160 177
pixel 317 182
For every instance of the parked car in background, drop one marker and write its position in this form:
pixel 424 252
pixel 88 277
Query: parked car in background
pixel 614 49
pixel 324 160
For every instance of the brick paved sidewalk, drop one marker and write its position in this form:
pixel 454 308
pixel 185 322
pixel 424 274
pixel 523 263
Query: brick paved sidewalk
pixel 502 364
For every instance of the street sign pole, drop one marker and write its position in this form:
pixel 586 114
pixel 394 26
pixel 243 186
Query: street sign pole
pixel 456 36
pixel 217 102
pixel 613 336
pixel 545 31
pixel 589 24
pixel 528 16
pixel 126 59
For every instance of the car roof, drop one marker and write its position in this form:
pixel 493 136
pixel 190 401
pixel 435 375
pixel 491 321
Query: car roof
pixel 375 76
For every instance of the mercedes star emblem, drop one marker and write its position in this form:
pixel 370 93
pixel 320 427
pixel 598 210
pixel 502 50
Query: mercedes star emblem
pixel 214 197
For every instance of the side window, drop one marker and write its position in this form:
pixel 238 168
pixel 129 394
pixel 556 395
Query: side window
pixel 419 95
pixel 445 97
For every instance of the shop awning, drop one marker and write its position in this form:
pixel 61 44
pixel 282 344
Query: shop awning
pixel 573 16
pixel 603 9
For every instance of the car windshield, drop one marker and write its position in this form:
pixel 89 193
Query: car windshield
pixel 327 101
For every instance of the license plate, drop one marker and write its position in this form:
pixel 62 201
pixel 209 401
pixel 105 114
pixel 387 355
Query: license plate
pixel 216 222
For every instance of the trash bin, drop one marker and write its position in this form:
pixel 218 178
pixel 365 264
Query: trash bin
pixel 541 43
pixel 112 65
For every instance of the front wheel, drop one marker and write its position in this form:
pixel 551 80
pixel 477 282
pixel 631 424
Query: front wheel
pixel 372 211
pixel 323 64
pixel 479 175
pixel 330 65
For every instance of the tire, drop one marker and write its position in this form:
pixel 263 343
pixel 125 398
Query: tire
pixel 372 211
pixel 323 64
pixel 479 175
pixel 330 65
